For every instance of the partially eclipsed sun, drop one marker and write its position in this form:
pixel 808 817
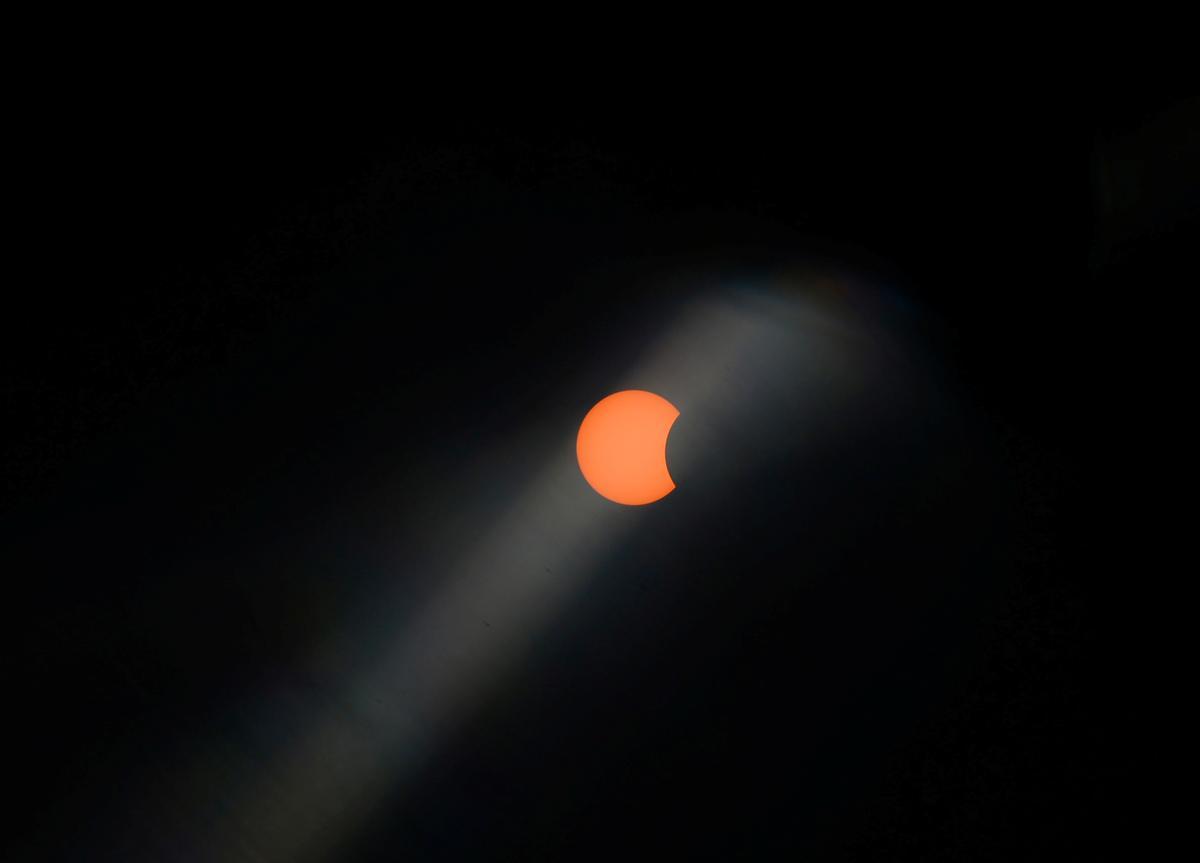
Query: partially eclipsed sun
pixel 622 447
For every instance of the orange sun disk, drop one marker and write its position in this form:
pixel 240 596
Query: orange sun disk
pixel 622 447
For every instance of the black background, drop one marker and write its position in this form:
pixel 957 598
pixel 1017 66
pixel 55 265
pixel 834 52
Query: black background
pixel 201 379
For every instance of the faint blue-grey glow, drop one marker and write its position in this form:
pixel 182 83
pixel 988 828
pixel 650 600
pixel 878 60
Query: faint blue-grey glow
pixel 731 360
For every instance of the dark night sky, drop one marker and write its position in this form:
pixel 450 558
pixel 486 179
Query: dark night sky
pixel 256 338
